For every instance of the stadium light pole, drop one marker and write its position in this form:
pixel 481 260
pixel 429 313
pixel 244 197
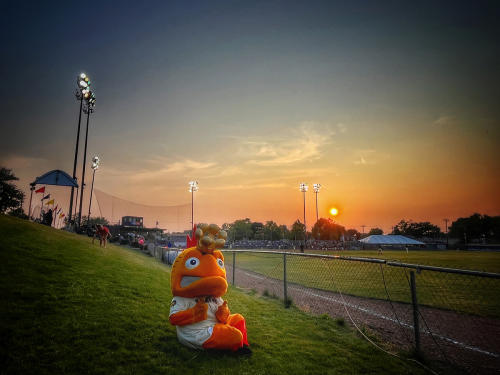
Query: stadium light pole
pixel 316 188
pixel 95 167
pixel 89 108
pixel 76 201
pixel 303 188
pixel 83 83
pixel 193 186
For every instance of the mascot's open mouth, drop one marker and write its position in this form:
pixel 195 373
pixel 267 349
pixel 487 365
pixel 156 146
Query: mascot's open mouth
pixel 188 280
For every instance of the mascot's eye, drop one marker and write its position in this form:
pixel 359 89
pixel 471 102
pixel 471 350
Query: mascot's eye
pixel 192 263
pixel 220 262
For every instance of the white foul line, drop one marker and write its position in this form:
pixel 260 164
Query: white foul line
pixel 371 312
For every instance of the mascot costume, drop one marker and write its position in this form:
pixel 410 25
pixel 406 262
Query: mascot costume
pixel 198 282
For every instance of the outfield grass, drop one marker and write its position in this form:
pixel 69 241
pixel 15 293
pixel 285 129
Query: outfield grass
pixel 69 307
pixel 473 295
pixel 488 261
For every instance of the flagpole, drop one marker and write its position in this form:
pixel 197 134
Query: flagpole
pixel 54 217
pixel 32 187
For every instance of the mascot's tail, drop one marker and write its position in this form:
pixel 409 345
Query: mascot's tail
pixel 191 241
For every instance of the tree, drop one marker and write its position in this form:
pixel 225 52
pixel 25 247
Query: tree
pixel 284 232
pixel 241 229
pixel 353 234
pixel 375 231
pixel 18 212
pixel 257 231
pixel 298 231
pixel 10 196
pixel 476 227
pixel 417 229
pixel 272 231
pixel 327 229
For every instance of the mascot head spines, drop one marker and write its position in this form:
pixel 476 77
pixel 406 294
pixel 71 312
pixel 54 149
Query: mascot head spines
pixel 210 237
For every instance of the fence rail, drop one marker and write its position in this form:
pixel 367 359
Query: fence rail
pixel 445 314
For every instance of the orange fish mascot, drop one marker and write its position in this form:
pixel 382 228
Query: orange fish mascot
pixel 198 282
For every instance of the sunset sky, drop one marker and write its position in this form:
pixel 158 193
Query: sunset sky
pixel 392 107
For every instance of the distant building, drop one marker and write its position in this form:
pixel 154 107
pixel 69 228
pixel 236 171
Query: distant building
pixel 133 221
pixel 389 241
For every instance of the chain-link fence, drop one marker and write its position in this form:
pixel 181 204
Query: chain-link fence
pixel 445 315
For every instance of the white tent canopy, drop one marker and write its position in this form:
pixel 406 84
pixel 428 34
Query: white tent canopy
pixel 390 239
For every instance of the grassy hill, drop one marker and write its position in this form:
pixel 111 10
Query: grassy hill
pixel 67 306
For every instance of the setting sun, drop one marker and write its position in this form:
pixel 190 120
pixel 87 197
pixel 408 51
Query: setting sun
pixel 334 211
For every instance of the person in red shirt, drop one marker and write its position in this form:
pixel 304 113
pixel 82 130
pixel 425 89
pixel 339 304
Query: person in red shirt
pixel 103 233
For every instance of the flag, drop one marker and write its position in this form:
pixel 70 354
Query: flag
pixel 61 215
pixel 41 190
pixel 55 209
pixel 46 197
pixel 50 202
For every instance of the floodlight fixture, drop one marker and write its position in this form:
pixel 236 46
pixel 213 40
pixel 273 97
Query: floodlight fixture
pixel 90 101
pixel 316 188
pixel 303 187
pixel 193 186
pixel 95 166
pixel 83 82
pixel 95 163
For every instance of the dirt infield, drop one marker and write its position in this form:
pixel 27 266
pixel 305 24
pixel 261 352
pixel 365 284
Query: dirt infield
pixel 469 342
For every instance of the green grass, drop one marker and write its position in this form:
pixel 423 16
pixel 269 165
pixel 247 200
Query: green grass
pixel 69 307
pixel 488 261
pixel 472 295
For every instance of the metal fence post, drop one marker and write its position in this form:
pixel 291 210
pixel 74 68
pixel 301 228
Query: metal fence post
pixel 414 301
pixel 234 264
pixel 285 294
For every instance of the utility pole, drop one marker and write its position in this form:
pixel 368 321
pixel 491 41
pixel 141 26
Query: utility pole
pixel 446 230
pixel 363 229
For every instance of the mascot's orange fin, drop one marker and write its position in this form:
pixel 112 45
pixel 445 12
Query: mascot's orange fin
pixel 182 318
pixel 191 241
pixel 193 315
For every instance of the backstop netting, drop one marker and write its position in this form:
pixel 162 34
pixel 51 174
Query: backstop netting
pixel 171 218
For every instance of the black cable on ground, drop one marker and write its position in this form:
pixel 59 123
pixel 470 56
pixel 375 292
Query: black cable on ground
pixel 408 338
pixel 373 343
